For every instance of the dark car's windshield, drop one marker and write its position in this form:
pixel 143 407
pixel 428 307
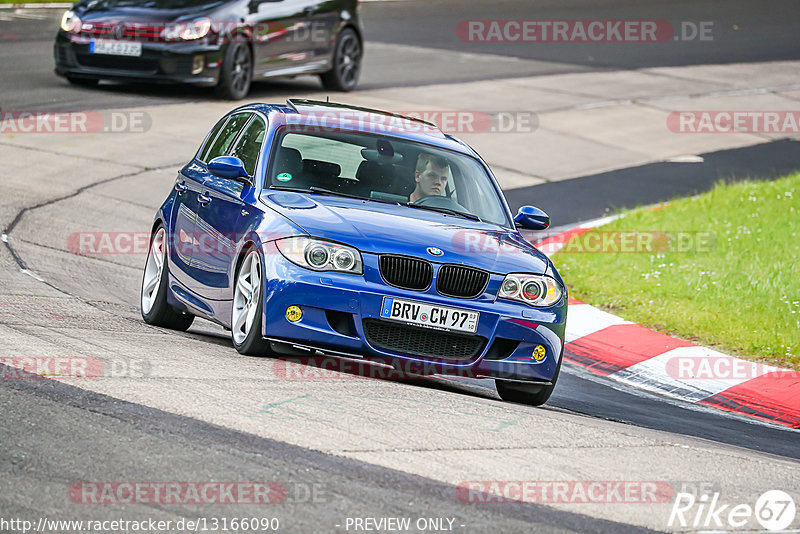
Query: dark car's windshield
pixel 153 4
pixel 386 169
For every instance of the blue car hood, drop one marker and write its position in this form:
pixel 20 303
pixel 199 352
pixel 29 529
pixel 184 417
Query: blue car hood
pixel 389 229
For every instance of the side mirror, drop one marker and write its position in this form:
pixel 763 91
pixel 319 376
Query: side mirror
pixel 532 218
pixel 254 4
pixel 229 167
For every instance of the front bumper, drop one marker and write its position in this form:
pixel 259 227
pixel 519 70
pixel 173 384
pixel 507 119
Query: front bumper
pixel 159 63
pixel 336 306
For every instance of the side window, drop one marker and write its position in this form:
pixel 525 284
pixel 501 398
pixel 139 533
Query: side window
pixel 227 135
pixel 209 140
pixel 248 148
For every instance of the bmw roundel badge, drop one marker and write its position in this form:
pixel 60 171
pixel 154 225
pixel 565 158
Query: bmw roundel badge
pixel 433 251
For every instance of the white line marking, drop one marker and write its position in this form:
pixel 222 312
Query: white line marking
pixel 584 319
pixel 32 275
pixel 685 159
pixel 654 374
pixel 22 15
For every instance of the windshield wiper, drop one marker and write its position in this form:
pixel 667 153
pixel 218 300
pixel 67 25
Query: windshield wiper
pixel 323 191
pixel 469 216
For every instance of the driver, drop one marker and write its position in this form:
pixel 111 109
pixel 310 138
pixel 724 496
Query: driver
pixel 431 176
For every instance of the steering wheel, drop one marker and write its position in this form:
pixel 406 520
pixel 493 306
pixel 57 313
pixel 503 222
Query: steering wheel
pixel 439 201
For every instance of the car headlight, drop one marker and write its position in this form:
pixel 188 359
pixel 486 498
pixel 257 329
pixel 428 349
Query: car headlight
pixel 186 31
pixel 533 289
pixel 70 22
pixel 319 255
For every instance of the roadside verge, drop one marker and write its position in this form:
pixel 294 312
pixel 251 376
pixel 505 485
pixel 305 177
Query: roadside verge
pixel 610 346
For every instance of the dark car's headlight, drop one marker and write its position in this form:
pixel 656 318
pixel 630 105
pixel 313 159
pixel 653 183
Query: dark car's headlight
pixel 533 289
pixel 186 31
pixel 70 22
pixel 319 255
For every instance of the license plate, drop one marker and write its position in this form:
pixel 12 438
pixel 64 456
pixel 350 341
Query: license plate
pixel 116 48
pixel 429 315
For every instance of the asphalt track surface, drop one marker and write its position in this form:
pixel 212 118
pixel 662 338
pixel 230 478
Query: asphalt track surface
pixel 54 433
pixel 742 31
pixel 585 198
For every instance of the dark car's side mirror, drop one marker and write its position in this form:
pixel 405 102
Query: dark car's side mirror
pixel 532 218
pixel 229 167
pixel 255 3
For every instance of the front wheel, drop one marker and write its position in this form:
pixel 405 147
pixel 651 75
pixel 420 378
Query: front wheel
pixel 346 69
pixel 527 393
pixel 248 306
pixel 154 306
pixel 236 72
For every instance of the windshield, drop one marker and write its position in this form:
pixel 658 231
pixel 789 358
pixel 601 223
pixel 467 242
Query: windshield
pixel 154 4
pixel 386 169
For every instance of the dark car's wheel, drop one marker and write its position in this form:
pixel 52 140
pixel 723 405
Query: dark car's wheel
pixel 532 394
pixel 236 72
pixel 346 63
pixel 248 305
pixel 84 82
pixel 155 309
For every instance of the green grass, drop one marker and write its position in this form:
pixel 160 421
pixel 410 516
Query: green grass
pixel 741 296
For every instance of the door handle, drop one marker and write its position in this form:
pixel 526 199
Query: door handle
pixel 203 198
pixel 180 187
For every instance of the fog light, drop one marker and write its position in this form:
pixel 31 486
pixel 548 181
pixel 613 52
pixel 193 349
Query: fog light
pixel 539 353
pixel 294 313
pixel 197 65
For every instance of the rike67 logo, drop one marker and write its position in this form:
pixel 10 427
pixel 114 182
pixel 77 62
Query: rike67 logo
pixel 774 511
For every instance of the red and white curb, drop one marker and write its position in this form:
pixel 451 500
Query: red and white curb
pixel 610 346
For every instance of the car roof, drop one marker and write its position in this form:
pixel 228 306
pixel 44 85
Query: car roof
pixel 320 116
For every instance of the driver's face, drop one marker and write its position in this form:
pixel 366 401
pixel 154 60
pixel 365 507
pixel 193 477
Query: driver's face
pixel 432 180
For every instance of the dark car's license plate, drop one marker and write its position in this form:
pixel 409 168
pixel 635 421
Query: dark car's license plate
pixel 116 48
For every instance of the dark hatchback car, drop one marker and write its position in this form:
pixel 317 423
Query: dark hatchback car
pixel 221 43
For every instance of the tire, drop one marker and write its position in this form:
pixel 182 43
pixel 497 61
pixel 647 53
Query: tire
pixel 153 298
pixel 346 69
pixel 83 82
pixel 248 306
pixel 236 73
pixel 522 393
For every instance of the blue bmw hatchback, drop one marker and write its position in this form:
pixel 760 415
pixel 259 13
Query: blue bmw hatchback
pixel 328 229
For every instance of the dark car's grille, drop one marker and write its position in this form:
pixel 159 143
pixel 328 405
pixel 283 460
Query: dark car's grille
pixel 407 273
pixel 126 30
pixel 415 341
pixel 102 61
pixel 461 282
